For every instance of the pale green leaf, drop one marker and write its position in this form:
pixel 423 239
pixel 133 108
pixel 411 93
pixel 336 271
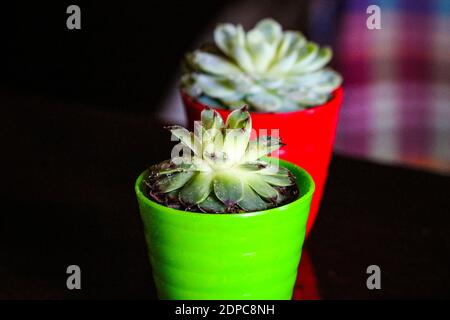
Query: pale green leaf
pixel 283 65
pixel 254 166
pixel 214 64
pixel 323 57
pixel 279 180
pixel 271 30
pixel 264 145
pixel 238 119
pixel 234 105
pixel 292 42
pixel 261 187
pixel 261 51
pixel 228 188
pixel 187 138
pixel 224 36
pixel 212 205
pixel 237 135
pixel 251 201
pixel 216 87
pixel 239 51
pixel 264 101
pixel 211 119
pixel 305 56
pixel 198 188
pixel 308 97
pixel 274 169
pixel 171 182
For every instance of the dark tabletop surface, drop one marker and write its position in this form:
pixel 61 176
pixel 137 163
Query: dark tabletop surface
pixel 67 198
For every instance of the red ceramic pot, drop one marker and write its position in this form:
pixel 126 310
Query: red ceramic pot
pixel 308 135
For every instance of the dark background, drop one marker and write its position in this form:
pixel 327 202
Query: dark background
pixel 122 58
pixel 79 122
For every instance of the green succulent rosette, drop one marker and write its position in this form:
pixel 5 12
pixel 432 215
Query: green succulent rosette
pixel 219 169
pixel 266 68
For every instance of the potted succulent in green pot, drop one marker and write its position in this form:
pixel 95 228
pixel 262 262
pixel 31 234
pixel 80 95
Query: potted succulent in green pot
pixel 222 221
pixel 283 79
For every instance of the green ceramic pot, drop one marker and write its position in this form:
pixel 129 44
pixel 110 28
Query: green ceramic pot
pixel 226 256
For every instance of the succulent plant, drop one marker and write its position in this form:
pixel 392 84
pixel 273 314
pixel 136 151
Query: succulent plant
pixel 224 171
pixel 269 69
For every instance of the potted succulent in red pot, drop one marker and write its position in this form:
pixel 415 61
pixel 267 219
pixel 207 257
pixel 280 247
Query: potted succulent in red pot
pixel 222 221
pixel 282 78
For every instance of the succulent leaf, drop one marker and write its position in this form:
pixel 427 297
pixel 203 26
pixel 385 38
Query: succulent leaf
pixel 271 30
pixel 187 138
pixel 265 101
pixel 264 145
pixel 274 169
pixel 254 166
pixel 223 37
pixel 197 190
pixel 252 201
pixel 262 42
pixel 212 205
pixel 173 181
pixel 239 119
pixel 213 64
pixel 323 57
pixel 278 180
pixel 228 188
pixel 239 126
pixel 211 119
pixel 261 187
pixel 290 43
pixel 221 88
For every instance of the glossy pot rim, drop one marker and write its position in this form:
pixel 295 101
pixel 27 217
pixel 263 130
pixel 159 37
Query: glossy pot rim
pixel 296 170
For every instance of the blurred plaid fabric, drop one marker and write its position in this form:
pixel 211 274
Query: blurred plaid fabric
pixel 397 79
